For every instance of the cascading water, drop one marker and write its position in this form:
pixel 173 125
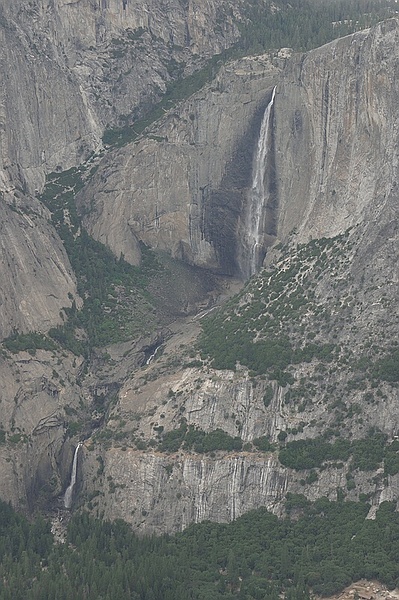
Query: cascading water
pixel 152 356
pixel 69 491
pixel 257 196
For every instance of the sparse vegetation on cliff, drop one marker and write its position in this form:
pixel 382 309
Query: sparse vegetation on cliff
pixel 367 454
pixel 261 327
pixel 116 305
pixel 281 321
pixel 192 438
pixel 28 341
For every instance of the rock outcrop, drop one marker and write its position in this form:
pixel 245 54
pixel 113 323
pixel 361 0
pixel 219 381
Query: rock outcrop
pixel 184 187
pixel 194 489
pixel 336 135
pixel 38 398
pixel 70 69
pixel 46 121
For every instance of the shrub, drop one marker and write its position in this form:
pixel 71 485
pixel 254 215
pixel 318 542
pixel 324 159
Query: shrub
pixel 311 453
pixel 263 444
pixel 268 396
pixel 198 440
pixel 32 341
pixel 172 440
pixel 387 368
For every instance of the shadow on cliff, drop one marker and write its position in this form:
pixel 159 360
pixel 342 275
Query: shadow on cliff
pixel 225 207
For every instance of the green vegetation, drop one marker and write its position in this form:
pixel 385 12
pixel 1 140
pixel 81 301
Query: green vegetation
pixel 172 440
pixel 116 304
pixel 308 454
pixel 268 396
pixel 178 90
pixel 28 341
pixel 281 319
pixel 367 454
pixel 73 428
pixel 325 547
pixel 259 328
pixel 212 441
pixel 391 458
pixel 303 25
pixel 387 368
pixel 111 312
pixel 198 440
pixel 263 444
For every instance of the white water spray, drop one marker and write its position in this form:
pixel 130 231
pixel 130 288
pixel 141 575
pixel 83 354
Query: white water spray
pixel 69 491
pixel 257 194
pixel 153 355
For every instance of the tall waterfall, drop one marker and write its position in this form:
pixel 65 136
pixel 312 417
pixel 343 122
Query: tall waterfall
pixel 69 491
pixel 257 197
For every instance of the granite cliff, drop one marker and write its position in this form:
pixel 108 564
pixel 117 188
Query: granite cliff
pixel 331 177
pixel 329 288
pixel 72 69
pixel 69 71
pixel 181 187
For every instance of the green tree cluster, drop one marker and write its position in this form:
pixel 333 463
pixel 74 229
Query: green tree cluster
pixel 193 438
pixel 367 454
pixel 30 342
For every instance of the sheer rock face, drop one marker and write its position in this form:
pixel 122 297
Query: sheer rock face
pixel 45 121
pixel 164 492
pixel 70 69
pixel 333 156
pixel 182 187
pixel 37 279
pixel 35 460
pixel 159 495
pixel 336 134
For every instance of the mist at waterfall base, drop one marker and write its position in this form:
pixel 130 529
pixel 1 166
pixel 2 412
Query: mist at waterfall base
pixel 258 196
pixel 68 496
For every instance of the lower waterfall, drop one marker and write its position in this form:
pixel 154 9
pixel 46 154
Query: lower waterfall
pixel 69 491
pixel 257 195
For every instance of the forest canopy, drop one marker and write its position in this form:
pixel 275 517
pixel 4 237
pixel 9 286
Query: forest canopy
pixel 318 548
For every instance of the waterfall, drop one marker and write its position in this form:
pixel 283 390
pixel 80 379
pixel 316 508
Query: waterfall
pixel 152 356
pixel 69 491
pixel 257 196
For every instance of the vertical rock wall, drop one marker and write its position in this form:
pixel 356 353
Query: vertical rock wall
pixel 182 187
pixel 37 280
pixel 336 124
